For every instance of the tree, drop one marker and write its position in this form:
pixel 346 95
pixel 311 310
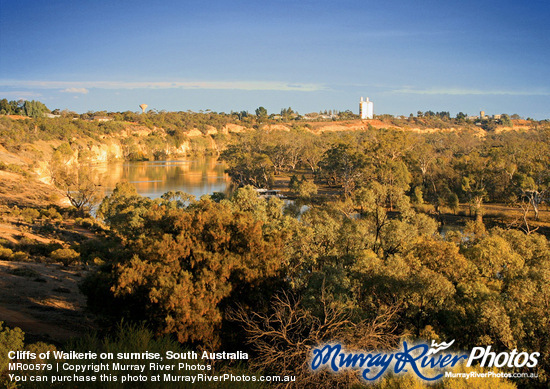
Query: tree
pixel 5 107
pixel 476 174
pixel 505 120
pixel 313 151
pixel 261 114
pixel 124 210
pixel 75 179
pixel 248 167
pixel 452 202
pixel 416 197
pixel 284 336
pixel 488 124
pixel 306 189
pixel 185 261
pixel 343 167
pixel 287 113
pixel 34 108
pixel 461 116
pixel 10 340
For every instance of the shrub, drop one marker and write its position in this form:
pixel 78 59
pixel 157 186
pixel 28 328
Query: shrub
pixel 85 222
pixel 38 348
pixel 15 211
pixel 30 214
pixel 20 256
pixel 65 256
pixel 52 213
pixel 5 253
pixel 10 339
pixel 294 183
pixel 14 169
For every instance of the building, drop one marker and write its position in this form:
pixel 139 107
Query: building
pixel 102 118
pixel 366 109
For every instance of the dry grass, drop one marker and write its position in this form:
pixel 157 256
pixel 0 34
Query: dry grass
pixel 26 192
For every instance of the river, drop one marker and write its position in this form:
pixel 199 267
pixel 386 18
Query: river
pixel 154 178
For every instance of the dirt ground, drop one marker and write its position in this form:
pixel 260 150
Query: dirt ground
pixel 43 300
pixel 26 192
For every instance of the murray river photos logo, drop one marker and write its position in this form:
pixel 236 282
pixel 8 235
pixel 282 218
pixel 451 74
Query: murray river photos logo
pixel 427 361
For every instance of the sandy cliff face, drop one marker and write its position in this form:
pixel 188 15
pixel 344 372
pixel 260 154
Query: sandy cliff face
pixel 108 149
pixel 106 152
pixel 96 153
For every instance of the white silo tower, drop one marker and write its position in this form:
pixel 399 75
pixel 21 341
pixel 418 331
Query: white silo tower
pixel 366 109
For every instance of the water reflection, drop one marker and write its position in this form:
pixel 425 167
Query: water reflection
pixel 154 178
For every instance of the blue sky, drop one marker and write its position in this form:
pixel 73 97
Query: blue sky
pixel 311 55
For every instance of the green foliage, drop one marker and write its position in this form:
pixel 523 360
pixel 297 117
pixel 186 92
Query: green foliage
pixel 248 167
pixel 452 202
pixel 306 189
pixel 123 210
pixel 416 197
pixel 505 120
pixel 293 183
pixel 51 213
pixel 18 169
pixel 5 253
pixel 10 340
pixel 19 256
pixel 261 114
pixel 186 263
pixel 183 261
pixel 343 166
pixel 29 215
pixel 34 108
pixel 23 107
pixel 65 256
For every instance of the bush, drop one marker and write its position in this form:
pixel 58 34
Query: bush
pixel 38 348
pixel 14 169
pixel 20 256
pixel 5 253
pixel 15 211
pixel 65 256
pixel 87 222
pixel 294 183
pixel 29 215
pixel 13 340
pixel 10 339
pixel 52 213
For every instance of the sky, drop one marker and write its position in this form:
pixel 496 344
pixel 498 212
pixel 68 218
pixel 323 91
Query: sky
pixel 406 56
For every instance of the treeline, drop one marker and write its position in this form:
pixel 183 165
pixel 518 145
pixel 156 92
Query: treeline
pixel 23 107
pixel 16 132
pixel 208 118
